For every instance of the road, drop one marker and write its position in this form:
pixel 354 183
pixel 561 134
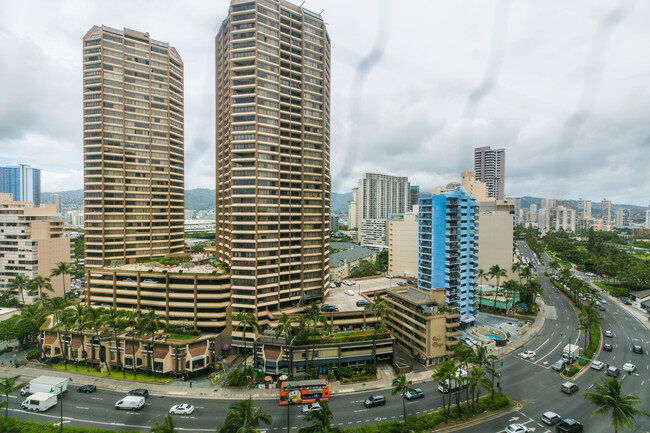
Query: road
pixel 531 382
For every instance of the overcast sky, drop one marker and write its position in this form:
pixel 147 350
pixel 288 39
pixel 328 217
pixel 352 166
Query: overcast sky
pixel 562 85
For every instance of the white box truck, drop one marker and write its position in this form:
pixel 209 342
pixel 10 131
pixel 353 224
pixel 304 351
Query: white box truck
pixel 459 382
pixel 57 385
pixel 571 351
pixel 40 401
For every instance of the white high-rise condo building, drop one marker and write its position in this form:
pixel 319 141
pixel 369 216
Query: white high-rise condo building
pixel 378 195
pixel 273 156
pixel 133 147
pixel 490 167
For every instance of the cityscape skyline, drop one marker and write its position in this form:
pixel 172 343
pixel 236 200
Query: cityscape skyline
pixel 533 101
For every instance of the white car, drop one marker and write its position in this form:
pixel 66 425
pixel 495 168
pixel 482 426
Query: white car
pixel 332 286
pixel 389 276
pixel 516 428
pixel 349 292
pixel 528 354
pixel 629 367
pixel 182 409
pixel 347 282
pixel 597 365
pixel 311 407
pixel 608 333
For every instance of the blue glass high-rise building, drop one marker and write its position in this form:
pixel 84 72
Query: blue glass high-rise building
pixel 447 249
pixel 24 182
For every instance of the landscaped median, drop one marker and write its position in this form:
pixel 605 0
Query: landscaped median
pixel 12 425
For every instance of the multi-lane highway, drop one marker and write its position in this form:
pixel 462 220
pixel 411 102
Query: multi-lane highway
pixel 531 382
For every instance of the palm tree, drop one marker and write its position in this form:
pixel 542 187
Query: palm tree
pixel 152 324
pixel 245 319
pixel 40 284
pixel 607 396
pixel 167 426
pixel 464 354
pixel 316 317
pixel 482 358
pixel 497 272
pixel 58 306
pixel 20 285
pixel 33 315
pixel 132 316
pixel 242 417
pixel 321 421
pixel 115 319
pixel 381 308
pixel 285 327
pixel 401 385
pixel 511 287
pixel 63 269
pixel 588 317
pixel 7 386
pixel 94 321
pixel 75 319
pixel 443 375
pixel 478 380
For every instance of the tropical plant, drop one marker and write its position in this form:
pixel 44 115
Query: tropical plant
pixel 401 385
pixel 33 315
pixel 94 320
pixel 464 354
pixel 316 317
pixel 497 272
pixel 63 269
pixel 20 285
pixel 285 327
pixel 608 397
pixel 245 319
pixel 321 421
pixel 132 317
pixel 58 306
pixel 242 417
pixel 482 358
pixel 75 319
pixel 443 375
pixel 588 317
pixel 167 426
pixel 115 319
pixel 478 380
pixel 9 385
pixel 40 284
pixel 380 309
pixel 152 324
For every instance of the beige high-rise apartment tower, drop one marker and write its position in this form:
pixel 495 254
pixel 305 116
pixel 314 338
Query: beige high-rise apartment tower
pixel 273 156
pixel 133 147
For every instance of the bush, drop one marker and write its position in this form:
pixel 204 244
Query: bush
pixel 236 378
pixel 12 425
pixel 33 354
pixel 345 371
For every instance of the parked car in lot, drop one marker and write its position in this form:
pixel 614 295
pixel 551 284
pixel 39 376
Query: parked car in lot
pixel 389 276
pixel 410 282
pixel 597 365
pixel 629 367
pixel 182 409
pixel 332 286
pixel 607 347
pixel 516 428
pixel 613 371
pixel 362 303
pixel 528 354
pixel 375 400
pixel 608 333
pixel 551 418
pixel 401 283
pixel 87 389
pixel 329 308
pixel 414 394
pixel 311 407
pixel 348 282
pixel 569 425
pixel 349 292
pixel 637 349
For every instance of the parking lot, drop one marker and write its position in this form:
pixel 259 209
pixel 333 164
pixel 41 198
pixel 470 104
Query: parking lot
pixel 349 302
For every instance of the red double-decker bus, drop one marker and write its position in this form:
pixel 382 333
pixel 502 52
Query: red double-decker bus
pixel 304 391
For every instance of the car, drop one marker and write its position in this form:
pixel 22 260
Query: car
pixel 629 367
pixel 597 365
pixel 25 390
pixel 607 347
pixel 612 371
pixel 348 283
pixel 569 425
pixel 528 354
pixel 362 303
pixel 140 392
pixel 87 388
pixel 413 394
pixel 637 349
pixel 149 280
pixel 516 428
pixel 181 409
pixel 311 407
pixel 389 276
pixel 332 286
pixel 401 283
pixel 608 333
pixel 352 282
pixel 569 388
pixel 349 292
pixel 558 365
pixel 375 400
pixel 129 280
pixel 328 308
pixel 410 282
pixel 338 283
pixel 551 418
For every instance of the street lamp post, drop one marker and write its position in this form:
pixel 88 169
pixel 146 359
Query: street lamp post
pixel 60 396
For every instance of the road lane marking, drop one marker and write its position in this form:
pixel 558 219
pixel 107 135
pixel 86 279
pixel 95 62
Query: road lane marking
pixel 540 346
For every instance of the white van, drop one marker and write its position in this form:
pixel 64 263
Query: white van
pixel 131 402
pixel 40 401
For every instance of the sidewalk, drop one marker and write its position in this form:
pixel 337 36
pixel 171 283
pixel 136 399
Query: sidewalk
pixel 641 316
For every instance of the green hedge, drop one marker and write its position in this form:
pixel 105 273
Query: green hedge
pixel 12 425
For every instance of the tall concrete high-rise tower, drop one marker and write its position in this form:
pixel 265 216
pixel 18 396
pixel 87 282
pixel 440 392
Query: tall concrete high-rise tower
pixel 490 167
pixel 133 147
pixel 273 156
pixel 606 213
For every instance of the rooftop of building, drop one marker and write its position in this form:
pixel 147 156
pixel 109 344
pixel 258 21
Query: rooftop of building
pixel 357 252
pixel 191 264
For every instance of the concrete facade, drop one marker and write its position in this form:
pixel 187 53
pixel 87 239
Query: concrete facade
pixel 403 244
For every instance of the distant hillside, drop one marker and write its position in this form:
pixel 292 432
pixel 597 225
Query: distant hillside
pixel 340 201
pixel 199 199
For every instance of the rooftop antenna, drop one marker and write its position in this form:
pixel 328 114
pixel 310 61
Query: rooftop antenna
pixel 303 3
pixel 321 12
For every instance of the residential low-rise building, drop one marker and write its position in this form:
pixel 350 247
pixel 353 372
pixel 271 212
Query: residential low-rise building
pixel 342 262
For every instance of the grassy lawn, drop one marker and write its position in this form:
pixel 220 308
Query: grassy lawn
pixel 642 256
pixel 114 374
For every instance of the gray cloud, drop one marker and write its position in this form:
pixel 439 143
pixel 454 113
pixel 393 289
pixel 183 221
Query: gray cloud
pixel 557 59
